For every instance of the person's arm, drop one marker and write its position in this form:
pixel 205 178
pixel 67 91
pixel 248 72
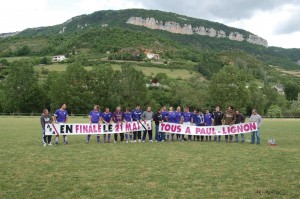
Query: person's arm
pixel 259 122
pixel 143 116
pixel 67 116
pixel 42 122
pixel 234 119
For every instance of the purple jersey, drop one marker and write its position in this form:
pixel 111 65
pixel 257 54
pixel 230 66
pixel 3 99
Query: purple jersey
pixel 136 114
pixel 127 117
pixel 118 116
pixel 187 116
pixel 106 116
pixel 195 117
pixel 61 115
pixel 95 116
pixel 171 117
pixel 208 119
pixel 164 115
pixel 178 117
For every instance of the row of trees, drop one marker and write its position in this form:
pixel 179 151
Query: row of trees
pixel 25 91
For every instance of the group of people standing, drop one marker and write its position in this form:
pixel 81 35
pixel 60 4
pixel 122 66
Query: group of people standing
pixel 197 118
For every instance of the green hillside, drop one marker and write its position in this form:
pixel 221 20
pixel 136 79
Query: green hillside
pixel 188 64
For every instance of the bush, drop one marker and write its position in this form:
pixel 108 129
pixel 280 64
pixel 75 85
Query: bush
pixel 274 111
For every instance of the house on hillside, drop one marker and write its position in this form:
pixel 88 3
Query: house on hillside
pixel 279 88
pixel 152 56
pixel 58 58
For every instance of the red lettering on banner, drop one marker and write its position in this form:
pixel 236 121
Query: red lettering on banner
pixel 178 129
pixel 198 130
pixel 188 130
pixel 173 128
pixel 117 128
pixel 233 129
pixel 247 127
pixel 128 126
pixel 90 129
pixel 213 131
pixel 224 131
pixel 252 126
pixel 239 129
pixel 77 128
pixel 208 131
pixel 99 128
pixel 202 131
pixel 84 129
pixel 134 127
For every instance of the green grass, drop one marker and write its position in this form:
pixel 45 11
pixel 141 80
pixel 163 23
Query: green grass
pixel 147 170
pixel 149 71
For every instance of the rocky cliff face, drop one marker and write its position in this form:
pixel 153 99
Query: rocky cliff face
pixel 187 29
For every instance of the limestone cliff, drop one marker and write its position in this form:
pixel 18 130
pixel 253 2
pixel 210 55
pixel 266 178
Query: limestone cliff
pixel 187 29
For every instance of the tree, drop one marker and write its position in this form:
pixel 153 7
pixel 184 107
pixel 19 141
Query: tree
pixel 228 88
pixel 21 90
pixel 24 50
pixel 291 90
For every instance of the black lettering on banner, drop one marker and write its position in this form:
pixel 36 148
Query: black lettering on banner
pixel 62 128
pixel 69 128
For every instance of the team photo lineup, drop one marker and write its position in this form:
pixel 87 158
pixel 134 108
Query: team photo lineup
pixel 162 115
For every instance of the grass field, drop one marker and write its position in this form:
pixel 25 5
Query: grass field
pixel 172 73
pixel 147 170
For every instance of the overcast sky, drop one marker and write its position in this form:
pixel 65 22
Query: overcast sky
pixel 278 21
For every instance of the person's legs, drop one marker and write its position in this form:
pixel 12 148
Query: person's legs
pixel 253 137
pixel 104 138
pixel 139 134
pixel 43 137
pixel 230 138
pixel 98 138
pixel 65 139
pixel 115 137
pixel 144 136
pixel 162 136
pixel 172 135
pixel 56 139
pixel 122 137
pixel 258 136
pixel 219 140
pixel 189 137
pixel 157 134
pixel 206 138
pixel 202 137
pixel 108 139
pixel 226 138
pixel 182 137
pixel 88 138
pixel 49 139
pixel 150 135
pixel 243 137
pixel 236 137
pixel 134 135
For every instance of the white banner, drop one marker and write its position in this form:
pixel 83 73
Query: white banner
pixel 207 130
pixel 85 129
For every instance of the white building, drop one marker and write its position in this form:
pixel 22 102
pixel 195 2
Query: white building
pixel 58 58
pixel 153 56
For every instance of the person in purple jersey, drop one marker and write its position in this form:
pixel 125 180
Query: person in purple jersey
pixel 95 116
pixel 208 122
pixel 171 118
pixel 136 116
pixel 178 120
pixel 61 116
pixel 106 118
pixel 187 118
pixel 128 118
pixel 118 118
pixel 195 121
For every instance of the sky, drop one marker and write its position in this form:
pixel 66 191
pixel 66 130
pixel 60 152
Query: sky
pixel 277 21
